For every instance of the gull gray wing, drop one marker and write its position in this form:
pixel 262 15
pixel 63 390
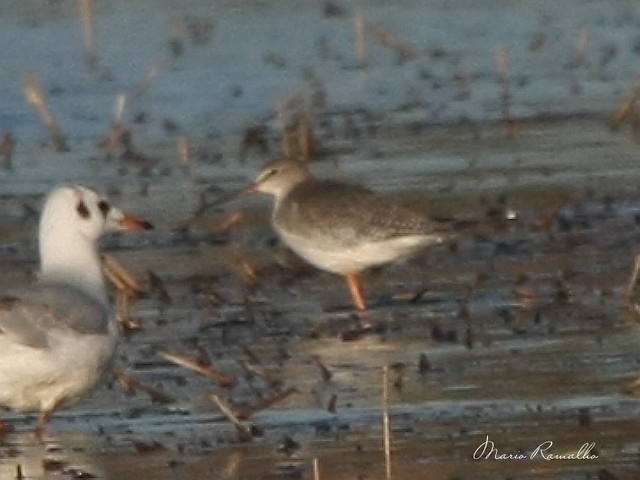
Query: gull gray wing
pixel 348 214
pixel 28 315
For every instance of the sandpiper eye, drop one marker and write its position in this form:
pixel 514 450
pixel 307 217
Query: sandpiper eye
pixel 104 207
pixel 82 209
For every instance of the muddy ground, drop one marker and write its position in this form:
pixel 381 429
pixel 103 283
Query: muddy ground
pixel 517 330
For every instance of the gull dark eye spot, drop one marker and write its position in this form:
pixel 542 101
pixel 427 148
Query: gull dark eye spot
pixel 82 210
pixel 104 207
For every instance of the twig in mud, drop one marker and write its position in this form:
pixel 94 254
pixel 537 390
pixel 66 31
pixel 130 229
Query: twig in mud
pixel 249 353
pixel 502 62
pixel 199 366
pixel 271 378
pixel 244 413
pixel 35 96
pixel 90 51
pixel 424 365
pixel 244 431
pixel 631 286
pixel 7 144
pixel 386 426
pixel 626 108
pixel 143 448
pixel 399 368
pixel 326 373
pixel 332 406
pixel 156 284
pixel 131 384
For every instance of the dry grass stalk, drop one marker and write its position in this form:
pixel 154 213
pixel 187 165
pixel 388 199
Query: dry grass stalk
pixel 90 51
pixel 546 220
pixel 298 139
pixel 123 313
pixel 244 431
pixel 583 39
pixel 128 288
pixel 627 107
pixel 35 96
pixel 360 27
pixel 183 146
pixel 152 73
pixel 632 387
pixel 383 35
pixel 502 62
pixel 391 40
pixel 199 366
pixel 386 425
pixel 292 101
pixel 131 384
pixel 316 469
pixel 247 272
pixel 123 279
pixel 177 36
pixel 246 412
pixel 230 221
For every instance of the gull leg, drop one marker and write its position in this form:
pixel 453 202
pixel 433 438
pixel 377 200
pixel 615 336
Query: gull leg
pixel 5 428
pixel 357 292
pixel 43 425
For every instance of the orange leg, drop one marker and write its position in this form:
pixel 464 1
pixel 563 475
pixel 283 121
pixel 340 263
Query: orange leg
pixel 357 292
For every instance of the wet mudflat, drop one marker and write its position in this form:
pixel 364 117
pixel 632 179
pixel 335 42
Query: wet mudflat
pixel 517 331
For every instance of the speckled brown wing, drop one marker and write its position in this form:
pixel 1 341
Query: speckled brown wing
pixel 348 215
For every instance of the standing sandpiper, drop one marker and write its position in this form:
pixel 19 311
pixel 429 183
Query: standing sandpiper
pixel 338 227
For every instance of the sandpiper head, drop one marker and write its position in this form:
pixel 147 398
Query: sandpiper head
pixel 280 176
pixel 83 211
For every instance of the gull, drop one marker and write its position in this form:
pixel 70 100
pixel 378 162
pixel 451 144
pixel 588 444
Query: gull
pixel 58 336
pixel 340 227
